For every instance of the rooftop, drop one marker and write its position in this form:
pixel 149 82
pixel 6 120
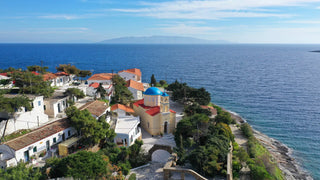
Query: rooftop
pixel 61 74
pixel 49 76
pixel 132 71
pixel 101 76
pixel 94 85
pixel 153 91
pixel 38 134
pixel 126 124
pixel 96 107
pixel 122 107
pixel 152 111
pixel 135 85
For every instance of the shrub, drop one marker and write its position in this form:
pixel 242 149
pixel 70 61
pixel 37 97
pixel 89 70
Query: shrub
pixel 133 176
pixel 246 129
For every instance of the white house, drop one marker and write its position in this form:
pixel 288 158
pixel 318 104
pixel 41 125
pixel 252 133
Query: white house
pixel 92 90
pixel 97 109
pixel 136 88
pixel 134 74
pixel 122 110
pixel 55 105
pixel 23 119
pixel 40 140
pixel 59 78
pixel 127 130
pixel 103 78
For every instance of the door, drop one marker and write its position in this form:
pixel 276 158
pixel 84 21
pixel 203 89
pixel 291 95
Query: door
pixel 63 137
pixel 48 145
pixel 165 130
pixel 26 156
pixel 59 108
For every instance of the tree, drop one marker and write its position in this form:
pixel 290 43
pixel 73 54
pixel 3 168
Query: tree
pixel 30 83
pixel 224 117
pixel 153 80
pixel 81 165
pixel 121 94
pixel 84 73
pixel 74 92
pixel 21 172
pixel 100 90
pixel 67 68
pixel 92 131
pixel 196 109
pixel 12 105
pixel 162 82
pixel 37 68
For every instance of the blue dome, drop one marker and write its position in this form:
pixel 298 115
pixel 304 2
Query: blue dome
pixel 165 94
pixel 153 91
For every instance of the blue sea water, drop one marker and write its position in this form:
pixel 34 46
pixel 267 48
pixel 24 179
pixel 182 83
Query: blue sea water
pixel 276 88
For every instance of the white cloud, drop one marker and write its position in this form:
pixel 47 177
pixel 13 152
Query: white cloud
pixel 303 21
pixel 60 16
pixel 214 9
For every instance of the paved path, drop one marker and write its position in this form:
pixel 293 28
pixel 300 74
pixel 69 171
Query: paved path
pixel 239 137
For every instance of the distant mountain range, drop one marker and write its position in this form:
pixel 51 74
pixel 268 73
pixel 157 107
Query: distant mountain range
pixel 161 40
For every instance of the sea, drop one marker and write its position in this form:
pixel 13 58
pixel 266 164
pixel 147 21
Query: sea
pixel 276 88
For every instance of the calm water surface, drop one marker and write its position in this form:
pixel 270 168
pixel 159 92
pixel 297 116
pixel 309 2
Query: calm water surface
pixel 276 88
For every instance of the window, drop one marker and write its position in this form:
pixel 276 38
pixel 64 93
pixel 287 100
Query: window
pixel 54 140
pixel 39 103
pixel 35 149
pixel 44 107
pixel 69 133
pixel 32 104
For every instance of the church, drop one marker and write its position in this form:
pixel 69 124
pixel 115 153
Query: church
pixel 156 117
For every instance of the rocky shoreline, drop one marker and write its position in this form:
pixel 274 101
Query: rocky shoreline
pixel 280 152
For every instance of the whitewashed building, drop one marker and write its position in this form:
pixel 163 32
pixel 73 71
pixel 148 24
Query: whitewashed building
pixel 55 105
pixel 23 119
pixel 59 79
pixel 136 88
pixel 32 144
pixel 133 74
pixel 122 110
pixel 127 130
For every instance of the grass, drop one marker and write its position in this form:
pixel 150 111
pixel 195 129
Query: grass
pixel 16 134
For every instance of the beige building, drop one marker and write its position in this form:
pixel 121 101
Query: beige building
pixel 155 113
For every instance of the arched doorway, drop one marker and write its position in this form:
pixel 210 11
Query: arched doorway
pixel 165 127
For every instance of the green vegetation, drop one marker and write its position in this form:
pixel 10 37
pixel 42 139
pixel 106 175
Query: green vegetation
pixel 84 73
pixel 16 134
pixel 224 117
pixel 196 109
pixel 121 93
pixel 21 172
pixel 259 159
pixel 153 81
pixel 81 165
pixel 182 92
pixel 67 68
pixel 38 68
pixel 5 81
pixel 203 143
pixel 101 91
pixel 30 83
pixel 92 131
pixel 74 92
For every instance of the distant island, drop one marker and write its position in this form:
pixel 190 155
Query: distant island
pixel 316 51
pixel 161 40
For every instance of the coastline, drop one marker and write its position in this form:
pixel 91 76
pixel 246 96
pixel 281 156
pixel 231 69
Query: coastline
pixel 280 152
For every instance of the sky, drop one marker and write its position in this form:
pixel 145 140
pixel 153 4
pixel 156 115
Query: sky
pixel 86 21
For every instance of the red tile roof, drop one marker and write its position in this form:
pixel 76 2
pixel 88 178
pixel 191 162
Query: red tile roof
pixel 211 109
pixel 38 134
pixel 35 73
pixel 96 107
pixel 149 110
pixel 48 76
pixel 3 74
pixel 122 107
pixel 62 74
pixel 132 71
pixel 101 76
pixel 135 85
pixel 94 85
